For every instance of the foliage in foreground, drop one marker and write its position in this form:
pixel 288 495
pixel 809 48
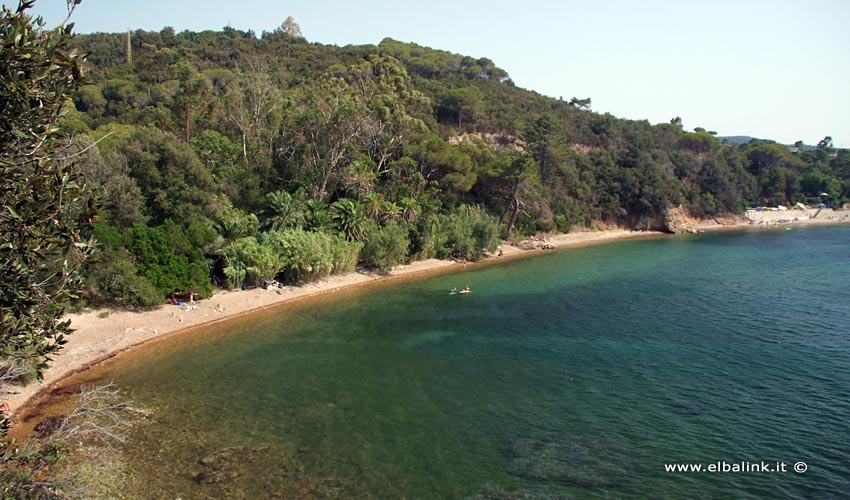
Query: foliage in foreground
pixel 43 225
pixel 40 468
pixel 43 221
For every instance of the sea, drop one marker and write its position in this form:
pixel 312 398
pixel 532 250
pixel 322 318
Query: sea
pixel 703 366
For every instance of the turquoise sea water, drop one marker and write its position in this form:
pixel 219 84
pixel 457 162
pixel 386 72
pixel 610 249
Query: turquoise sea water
pixel 578 374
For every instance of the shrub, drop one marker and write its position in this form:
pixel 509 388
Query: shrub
pixel 235 273
pixel 469 231
pixel 254 261
pixel 344 254
pixel 428 240
pixel 168 259
pixel 115 280
pixel 386 246
pixel 307 255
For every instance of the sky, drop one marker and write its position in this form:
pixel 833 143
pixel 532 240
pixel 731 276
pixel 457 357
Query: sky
pixel 775 69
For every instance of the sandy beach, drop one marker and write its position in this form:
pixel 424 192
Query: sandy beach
pixel 101 334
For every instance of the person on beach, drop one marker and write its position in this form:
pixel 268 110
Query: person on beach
pixel 219 308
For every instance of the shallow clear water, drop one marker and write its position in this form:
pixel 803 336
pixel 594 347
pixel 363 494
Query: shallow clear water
pixel 577 374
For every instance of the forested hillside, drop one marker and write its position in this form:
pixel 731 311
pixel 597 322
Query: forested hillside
pixel 244 158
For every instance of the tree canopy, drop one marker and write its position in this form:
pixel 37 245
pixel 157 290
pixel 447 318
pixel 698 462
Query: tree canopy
pixel 243 147
pixel 43 214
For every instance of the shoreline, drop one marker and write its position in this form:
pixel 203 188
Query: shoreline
pixel 104 333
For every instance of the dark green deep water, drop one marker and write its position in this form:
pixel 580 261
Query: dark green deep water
pixel 577 374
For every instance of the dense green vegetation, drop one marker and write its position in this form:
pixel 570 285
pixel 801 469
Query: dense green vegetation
pixel 262 157
pixel 43 215
pixel 44 221
pixel 223 157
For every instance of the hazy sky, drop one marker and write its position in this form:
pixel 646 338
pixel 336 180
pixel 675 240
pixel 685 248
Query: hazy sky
pixel 772 69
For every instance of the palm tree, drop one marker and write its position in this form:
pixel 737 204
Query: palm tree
pixel 361 176
pixel 372 205
pixel 317 216
pixel 236 224
pixel 410 209
pixel 282 210
pixel 349 218
pixel 389 211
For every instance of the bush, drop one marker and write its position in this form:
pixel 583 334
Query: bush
pixel 386 246
pixel 235 274
pixel 307 255
pixel 169 260
pixel 344 255
pixel 114 280
pixel 525 226
pixel 298 255
pixel 485 230
pixel 253 261
pixel 563 224
pixel 428 240
pixel 469 231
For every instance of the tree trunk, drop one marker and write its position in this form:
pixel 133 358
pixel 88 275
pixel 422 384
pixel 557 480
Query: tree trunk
pixel 187 124
pixel 515 211
pixel 129 49
pixel 513 217
pixel 244 148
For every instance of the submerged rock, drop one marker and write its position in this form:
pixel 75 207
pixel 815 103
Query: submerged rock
pixel 269 472
pixel 49 425
pixel 216 476
pixel 685 408
pixel 227 464
pixel 489 493
pixel 578 461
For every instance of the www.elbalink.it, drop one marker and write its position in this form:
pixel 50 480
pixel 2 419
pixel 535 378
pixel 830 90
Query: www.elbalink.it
pixel 736 467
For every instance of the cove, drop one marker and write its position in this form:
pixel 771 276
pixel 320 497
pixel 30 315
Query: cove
pixel 577 374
